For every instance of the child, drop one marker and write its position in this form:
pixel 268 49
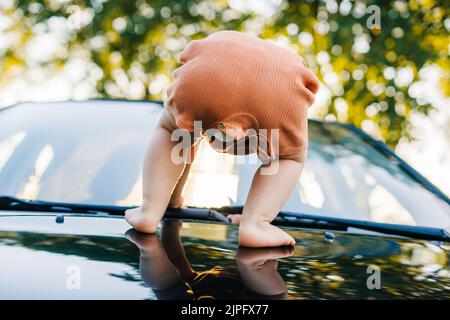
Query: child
pixel 237 84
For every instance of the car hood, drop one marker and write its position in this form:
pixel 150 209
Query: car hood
pixel 85 257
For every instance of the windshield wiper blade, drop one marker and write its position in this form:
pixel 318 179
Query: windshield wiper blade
pixel 418 232
pixel 196 214
pixel 17 204
pixel 294 219
pixel 288 219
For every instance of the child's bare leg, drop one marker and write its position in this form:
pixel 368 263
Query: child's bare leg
pixel 176 200
pixel 267 196
pixel 160 175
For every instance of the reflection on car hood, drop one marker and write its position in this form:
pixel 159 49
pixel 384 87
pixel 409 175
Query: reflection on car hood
pixel 90 258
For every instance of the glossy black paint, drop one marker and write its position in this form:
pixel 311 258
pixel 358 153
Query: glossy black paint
pixel 38 256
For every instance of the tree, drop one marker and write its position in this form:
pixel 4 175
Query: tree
pixel 367 53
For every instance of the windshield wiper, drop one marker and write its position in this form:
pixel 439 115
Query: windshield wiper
pixel 286 219
pixel 293 219
pixel 418 232
pixel 196 214
pixel 17 204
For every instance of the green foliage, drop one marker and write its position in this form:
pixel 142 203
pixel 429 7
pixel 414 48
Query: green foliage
pixel 137 43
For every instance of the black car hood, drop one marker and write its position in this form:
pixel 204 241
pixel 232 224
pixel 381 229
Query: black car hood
pixel 41 258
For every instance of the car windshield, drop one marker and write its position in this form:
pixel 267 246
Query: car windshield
pixel 91 153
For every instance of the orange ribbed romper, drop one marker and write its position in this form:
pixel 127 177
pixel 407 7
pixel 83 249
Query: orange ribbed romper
pixel 233 79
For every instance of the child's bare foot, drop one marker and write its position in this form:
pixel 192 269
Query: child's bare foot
pixel 142 220
pixel 256 234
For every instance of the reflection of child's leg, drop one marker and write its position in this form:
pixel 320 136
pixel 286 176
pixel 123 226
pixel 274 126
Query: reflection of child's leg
pixel 171 241
pixel 160 175
pixel 156 269
pixel 258 269
pixel 267 196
